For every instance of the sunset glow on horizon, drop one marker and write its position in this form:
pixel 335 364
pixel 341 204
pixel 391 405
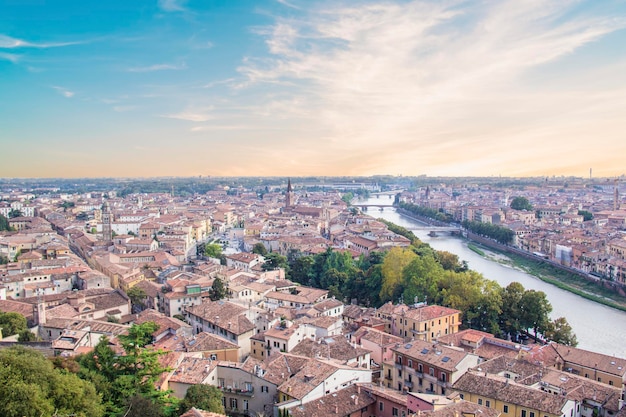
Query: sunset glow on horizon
pixel 299 88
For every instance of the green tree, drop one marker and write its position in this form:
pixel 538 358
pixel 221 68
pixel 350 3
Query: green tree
pixel 392 271
pixel 137 296
pixel 511 309
pixel 15 213
pixel 120 377
pixel 4 224
pixel 213 250
pixel 521 203
pixel 218 290
pixel 138 406
pixel 587 215
pixel 534 311
pixel 30 386
pixel 259 249
pixel 560 331
pixel 274 261
pixel 301 269
pixel 421 278
pixel 204 397
pixel 347 198
pixel 26 336
pixel 12 323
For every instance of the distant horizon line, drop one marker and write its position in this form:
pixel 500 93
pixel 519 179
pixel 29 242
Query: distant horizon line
pixel 313 176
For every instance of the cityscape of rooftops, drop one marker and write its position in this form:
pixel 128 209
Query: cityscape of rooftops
pixel 288 208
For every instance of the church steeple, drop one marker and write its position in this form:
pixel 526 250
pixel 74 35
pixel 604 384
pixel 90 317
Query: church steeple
pixel 289 194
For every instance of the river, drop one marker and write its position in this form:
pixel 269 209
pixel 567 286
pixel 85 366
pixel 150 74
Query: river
pixel 598 328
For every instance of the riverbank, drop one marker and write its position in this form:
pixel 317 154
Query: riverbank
pixel 574 281
pixel 592 290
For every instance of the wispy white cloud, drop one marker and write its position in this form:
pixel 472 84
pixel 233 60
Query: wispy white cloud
pixel 8 42
pixel 173 5
pixel 159 67
pixel 396 84
pixel 193 115
pixel 64 91
pixel 14 58
pixel 228 81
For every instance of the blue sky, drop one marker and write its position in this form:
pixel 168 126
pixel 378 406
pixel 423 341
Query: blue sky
pixel 155 88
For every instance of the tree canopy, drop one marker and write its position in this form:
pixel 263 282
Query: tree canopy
pixel 30 386
pixel 12 323
pixel 259 249
pixel 202 396
pixel 521 203
pixel 213 250
pixel 218 290
pixel 4 223
pixel 119 378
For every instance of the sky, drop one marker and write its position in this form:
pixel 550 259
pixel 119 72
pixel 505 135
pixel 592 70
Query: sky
pixel 156 88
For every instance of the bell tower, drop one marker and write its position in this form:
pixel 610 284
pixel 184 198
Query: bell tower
pixel 107 233
pixel 289 195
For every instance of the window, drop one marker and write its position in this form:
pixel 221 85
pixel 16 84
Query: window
pixel 245 405
pixel 410 363
pixel 443 377
pixel 419 367
pixel 381 406
pixel 431 371
pixel 264 388
pixel 487 403
pixel 523 413
pixel 462 397
pixel 610 382
pixel 532 414
pixel 505 408
pixel 394 412
pixel 233 403
pixel 480 401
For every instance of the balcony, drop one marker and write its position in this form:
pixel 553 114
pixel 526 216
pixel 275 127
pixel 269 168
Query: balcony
pixel 239 391
pixel 397 365
pixel 408 384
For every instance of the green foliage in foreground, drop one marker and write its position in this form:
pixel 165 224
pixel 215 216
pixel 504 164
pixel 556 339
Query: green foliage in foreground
pixel 204 397
pixel 30 386
pixel 12 323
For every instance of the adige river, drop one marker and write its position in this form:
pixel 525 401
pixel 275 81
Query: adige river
pixel 598 328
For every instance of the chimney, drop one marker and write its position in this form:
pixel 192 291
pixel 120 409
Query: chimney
pixel 336 409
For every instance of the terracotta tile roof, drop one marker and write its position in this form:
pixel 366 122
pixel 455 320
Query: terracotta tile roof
pixel 307 378
pixel 593 360
pixel 24 309
pixel 376 336
pixel 437 355
pixel 226 315
pixel 193 370
pixel 337 348
pixel 429 312
pixel 462 408
pixel 206 342
pixel 194 412
pixel 343 402
pixel 503 389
